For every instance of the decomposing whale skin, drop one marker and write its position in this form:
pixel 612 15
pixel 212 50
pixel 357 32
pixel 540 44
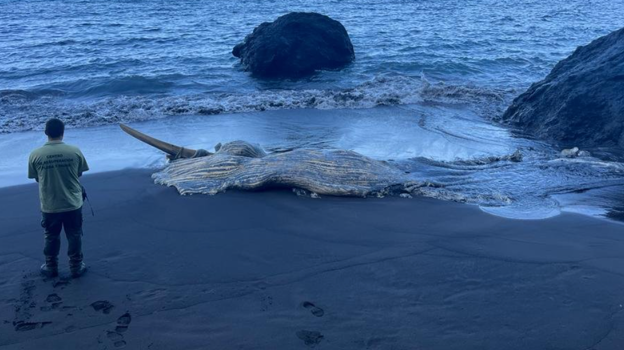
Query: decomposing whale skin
pixel 245 166
pixel 239 165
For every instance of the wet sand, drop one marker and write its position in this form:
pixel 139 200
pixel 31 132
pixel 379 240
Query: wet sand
pixel 270 270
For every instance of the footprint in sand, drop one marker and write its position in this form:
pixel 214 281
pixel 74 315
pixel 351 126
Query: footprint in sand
pixel 53 298
pixel 310 338
pixel 102 305
pixel 22 326
pixel 315 310
pixel 116 336
pixel 53 301
pixel 123 322
pixel 266 302
pixel 25 306
pixel 61 283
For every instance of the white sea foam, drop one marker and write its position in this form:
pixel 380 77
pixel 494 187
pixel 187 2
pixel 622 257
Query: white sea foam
pixel 27 110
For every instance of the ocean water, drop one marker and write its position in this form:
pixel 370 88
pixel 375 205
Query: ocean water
pixel 429 77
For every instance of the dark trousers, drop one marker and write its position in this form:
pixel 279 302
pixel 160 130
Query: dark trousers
pixel 53 223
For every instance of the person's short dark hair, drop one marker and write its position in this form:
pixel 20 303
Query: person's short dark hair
pixel 54 128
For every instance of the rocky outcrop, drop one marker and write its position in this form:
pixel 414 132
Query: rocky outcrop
pixel 295 45
pixel 581 102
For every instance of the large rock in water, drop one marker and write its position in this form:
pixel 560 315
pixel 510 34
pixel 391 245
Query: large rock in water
pixel 581 101
pixel 295 45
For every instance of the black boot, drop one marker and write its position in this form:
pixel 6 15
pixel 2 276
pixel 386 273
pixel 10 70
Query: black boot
pixel 78 270
pixel 49 270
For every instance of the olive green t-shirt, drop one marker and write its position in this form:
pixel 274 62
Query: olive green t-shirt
pixel 57 167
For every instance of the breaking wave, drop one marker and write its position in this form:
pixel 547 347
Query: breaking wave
pixel 22 110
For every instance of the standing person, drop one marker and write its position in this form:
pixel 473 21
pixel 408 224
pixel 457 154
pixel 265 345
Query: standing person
pixel 56 166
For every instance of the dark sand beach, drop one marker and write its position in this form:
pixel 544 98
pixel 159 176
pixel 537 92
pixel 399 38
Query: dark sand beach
pixel 513 107
pixel 270 270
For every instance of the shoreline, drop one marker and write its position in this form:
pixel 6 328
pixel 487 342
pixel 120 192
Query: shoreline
pixel 438 149
pixel 267 270
pixel 150 171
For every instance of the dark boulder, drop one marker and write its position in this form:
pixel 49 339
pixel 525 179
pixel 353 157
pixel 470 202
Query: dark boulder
pixel 295 45
pixel 581 102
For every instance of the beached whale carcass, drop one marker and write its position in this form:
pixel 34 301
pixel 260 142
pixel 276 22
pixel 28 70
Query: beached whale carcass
pixel 244 166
